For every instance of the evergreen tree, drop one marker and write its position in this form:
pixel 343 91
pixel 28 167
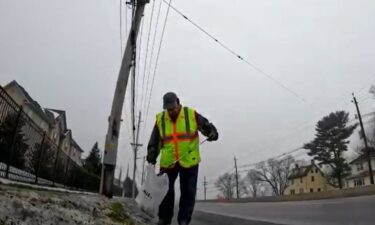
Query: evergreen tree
pixel 331 142
pixel 93 161
pixel 7 128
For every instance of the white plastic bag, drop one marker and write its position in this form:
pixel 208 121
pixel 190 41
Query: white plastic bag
pixel 152 192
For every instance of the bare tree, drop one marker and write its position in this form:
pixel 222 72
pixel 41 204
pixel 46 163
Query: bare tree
pixel 226 185
pixel 275 173
pixel 370 131
pixel 253 183
pixel 242 187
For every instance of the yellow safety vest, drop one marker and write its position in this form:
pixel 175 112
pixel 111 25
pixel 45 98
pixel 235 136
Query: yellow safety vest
pixel 179 140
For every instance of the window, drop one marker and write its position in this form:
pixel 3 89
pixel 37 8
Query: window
pixel 311 190
pixel 359 166
pixel 319 189
pixel 292 181
pixel 301 180
pixel 292 192
pixel 301 191
pixel 359 182
pixel 312 171
pixel 312 178
pixel 316 170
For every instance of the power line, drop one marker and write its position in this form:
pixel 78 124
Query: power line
pixel 307 125
pixel 285 158
pixel 126 17
pixel 157 58
pixel 138 68
pixel 275 157
pixel 291 151
pixel 285 154
pixel 152 50
pixel 121 28
pixel 238 56
pixel 146 56
pixel 150 65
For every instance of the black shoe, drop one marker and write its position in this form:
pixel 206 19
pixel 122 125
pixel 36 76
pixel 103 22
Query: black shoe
pixel 163 222
pixel 183 223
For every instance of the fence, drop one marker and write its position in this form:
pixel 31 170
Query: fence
pixel 27 154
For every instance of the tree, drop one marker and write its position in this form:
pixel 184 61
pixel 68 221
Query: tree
pixel 7 128
pixel 226 185
pixel 93 161
pixel 275 173
pixel 331 142
pixel 253 183
pixel 370 131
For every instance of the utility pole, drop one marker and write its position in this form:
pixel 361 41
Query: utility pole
pixel 367 150
pixel 143 169
pixel 235 166
pixel 135 148
pixel 205 188
pixel 119 179
pixel 123 186
pixel 114 120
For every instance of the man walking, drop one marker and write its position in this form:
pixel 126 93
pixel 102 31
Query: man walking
pixel 175 136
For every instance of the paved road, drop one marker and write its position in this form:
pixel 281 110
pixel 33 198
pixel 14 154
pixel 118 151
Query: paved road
pixel 345 211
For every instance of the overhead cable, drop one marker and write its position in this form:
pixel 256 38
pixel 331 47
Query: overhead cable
pixel 230 50
pixel 157 59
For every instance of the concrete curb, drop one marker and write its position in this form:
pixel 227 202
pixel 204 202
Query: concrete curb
pixel 220 219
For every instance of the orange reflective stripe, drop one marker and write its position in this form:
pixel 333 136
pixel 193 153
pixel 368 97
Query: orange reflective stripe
pixel 188 135
pixel 180 137
pixel 167 139
pixel 175 141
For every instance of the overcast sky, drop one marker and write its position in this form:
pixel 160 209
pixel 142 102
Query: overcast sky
pixel 67 55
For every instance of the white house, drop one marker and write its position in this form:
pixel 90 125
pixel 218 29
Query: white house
pixel 29 105
pixel 62 136
pixel 360 175
pixel 51 121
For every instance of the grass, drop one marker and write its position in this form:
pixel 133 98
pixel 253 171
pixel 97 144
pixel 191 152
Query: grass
pixel 117 214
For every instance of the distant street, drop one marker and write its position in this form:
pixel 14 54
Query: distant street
pixel 350 211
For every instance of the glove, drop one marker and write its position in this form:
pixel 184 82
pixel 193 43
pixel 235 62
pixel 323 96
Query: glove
pixel 213 136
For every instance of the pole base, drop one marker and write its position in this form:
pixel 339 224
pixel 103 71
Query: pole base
pixel 107 182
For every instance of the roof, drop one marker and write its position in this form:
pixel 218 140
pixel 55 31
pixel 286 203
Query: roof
pixel 59 112
pixel 363 156
pixel 359 175
pixel 76 145
pixel 301 171
pixel 31 102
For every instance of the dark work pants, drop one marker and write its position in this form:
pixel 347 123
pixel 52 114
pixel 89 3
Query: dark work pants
pixel 188 187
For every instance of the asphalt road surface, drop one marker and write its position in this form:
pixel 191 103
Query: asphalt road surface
pixel 343 211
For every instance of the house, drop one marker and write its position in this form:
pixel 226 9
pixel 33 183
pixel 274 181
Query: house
pixel 307 179
pixel 360 175
pixel 62 136
pixel 51 121
pixel 76 153
pixel 29 105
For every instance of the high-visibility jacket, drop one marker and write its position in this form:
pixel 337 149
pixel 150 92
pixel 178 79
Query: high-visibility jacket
pixel 179 140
